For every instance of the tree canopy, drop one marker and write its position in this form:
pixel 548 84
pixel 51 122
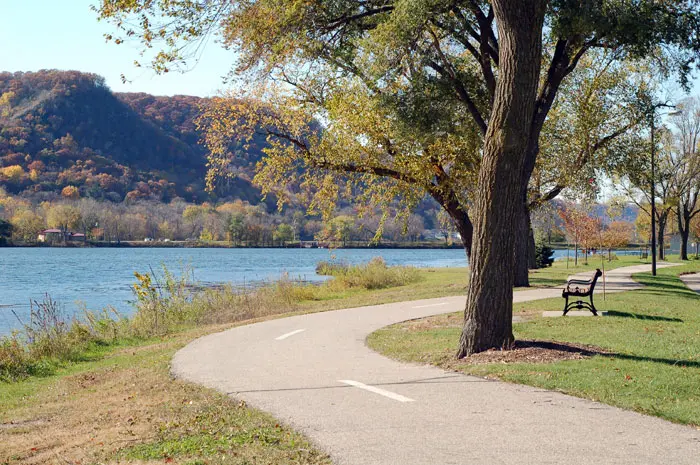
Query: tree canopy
pixel 395 80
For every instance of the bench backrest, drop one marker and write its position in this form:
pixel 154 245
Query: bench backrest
pixel 597 275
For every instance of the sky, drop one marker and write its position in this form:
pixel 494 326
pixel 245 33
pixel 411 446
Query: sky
pixel 65 34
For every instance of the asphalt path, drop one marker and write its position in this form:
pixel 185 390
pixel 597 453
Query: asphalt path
pixel 692 281
pixel 315 373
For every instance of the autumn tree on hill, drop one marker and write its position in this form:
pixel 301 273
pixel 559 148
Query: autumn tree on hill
pixel 426 97
pixel 70 192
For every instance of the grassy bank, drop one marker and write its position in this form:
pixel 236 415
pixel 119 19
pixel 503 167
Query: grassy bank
pixel 644 356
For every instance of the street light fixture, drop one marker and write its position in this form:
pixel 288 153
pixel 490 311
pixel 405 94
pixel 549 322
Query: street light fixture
pixel 653 185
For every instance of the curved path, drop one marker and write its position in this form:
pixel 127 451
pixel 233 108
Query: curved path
pixel 315 373
pixel 692 281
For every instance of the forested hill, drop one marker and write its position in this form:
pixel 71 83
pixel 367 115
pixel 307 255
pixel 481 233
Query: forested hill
pixel 66 128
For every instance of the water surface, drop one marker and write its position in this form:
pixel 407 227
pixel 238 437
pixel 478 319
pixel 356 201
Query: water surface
pixel 98 277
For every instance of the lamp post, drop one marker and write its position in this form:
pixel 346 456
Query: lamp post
pixel 652 182
pixel 653 198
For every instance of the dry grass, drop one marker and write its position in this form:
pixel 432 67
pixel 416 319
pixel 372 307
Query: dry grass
pixel 127 409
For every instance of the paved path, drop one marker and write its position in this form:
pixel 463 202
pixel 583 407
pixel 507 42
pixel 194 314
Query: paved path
pixel 315 373
pixel 692 281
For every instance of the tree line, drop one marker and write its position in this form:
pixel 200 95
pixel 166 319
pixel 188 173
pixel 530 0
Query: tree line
pixel 238 222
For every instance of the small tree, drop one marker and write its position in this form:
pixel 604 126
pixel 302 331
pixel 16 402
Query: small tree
pixel 580 228
pixel 283 234
pixel 26 225
pixel 63 217
pixel 617 234
pixel 695 226
pixel 237 228
pixel 446 226
pixel 544 255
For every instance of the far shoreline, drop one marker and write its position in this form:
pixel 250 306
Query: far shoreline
pixel 228 245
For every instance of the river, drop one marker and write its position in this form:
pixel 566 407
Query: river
pixel 99 277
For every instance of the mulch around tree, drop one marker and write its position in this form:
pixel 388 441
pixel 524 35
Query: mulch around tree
pixel 530 351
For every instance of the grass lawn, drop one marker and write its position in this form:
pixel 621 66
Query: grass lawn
pixel 118 404
pixel 443 282
pixel 651 336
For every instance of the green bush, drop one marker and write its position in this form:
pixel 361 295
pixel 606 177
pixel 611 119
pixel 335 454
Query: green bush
pixel 543 255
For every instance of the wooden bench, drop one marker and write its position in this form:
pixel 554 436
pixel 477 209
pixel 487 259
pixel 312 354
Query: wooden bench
pixel 580 288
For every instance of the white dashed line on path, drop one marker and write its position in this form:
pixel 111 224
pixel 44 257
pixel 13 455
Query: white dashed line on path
pixel 376 390
pixel 285 336
pixel 431 305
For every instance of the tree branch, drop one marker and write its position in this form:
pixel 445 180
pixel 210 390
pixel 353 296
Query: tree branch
pixel 462 94
pixel 334 23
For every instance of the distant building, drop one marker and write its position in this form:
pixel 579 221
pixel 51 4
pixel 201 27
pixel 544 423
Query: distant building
pixel 80 237
pixel 53 235
pixel 48 235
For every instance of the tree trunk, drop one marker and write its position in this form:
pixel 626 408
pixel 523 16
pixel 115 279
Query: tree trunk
pixel 531 247
pixel 463 224
pixel 684 244
pixel 522 236
pixel 684 228
pixel 489 309
pixel 661 254
pixel 524 247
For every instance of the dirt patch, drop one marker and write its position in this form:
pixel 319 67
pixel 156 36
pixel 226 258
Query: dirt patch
pixel 527 351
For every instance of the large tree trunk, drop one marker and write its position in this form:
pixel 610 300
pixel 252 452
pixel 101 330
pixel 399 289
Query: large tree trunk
pixel 489 308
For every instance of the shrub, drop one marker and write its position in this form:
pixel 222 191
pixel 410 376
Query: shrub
pixel 49 339
pixel 543 255
pixel 374 275
pixel 162 301
pixel 331 268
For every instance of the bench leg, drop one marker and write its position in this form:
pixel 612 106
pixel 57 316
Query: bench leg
pixel 566 305
pixel 593 309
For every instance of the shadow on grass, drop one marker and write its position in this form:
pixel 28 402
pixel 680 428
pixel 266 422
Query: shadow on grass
pixel 668 282
pixel 589 352
pixel 537 281
pixel 639 316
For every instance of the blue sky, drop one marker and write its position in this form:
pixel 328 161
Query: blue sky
pixel 65 34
